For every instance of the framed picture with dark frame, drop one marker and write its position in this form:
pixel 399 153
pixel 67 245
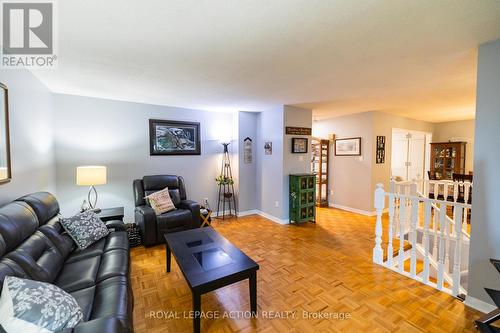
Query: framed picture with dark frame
pixel 380 155
pixel 348 147
pixel 5 163
pixel 170 137
pixel 299 145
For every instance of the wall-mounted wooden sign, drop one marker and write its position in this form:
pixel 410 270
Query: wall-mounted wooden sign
pixel 298 130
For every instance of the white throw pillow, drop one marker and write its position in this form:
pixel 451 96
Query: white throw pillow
pixel 28 306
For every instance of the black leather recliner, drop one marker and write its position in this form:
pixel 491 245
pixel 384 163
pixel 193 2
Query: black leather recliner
pixel 33 245
pixel 153 227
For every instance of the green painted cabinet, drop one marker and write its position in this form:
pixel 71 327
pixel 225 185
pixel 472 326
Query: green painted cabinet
pixel 302 198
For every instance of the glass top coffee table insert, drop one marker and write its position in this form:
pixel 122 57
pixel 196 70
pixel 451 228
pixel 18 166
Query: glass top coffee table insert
pixel 209 261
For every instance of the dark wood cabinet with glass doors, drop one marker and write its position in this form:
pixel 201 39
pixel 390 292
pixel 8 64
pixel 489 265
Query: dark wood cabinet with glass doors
pixel 447 158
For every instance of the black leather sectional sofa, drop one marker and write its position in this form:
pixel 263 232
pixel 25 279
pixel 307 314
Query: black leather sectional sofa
pixel 33 245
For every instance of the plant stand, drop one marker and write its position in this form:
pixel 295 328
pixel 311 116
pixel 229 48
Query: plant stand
pixel 226 191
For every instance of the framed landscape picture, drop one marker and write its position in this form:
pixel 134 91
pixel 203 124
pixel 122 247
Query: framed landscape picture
pixel 299 145
pixel 168 137
pixel 348 147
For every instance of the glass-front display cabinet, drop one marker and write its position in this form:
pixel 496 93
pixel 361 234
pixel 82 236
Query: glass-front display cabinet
pixel 447 158
pixel 319 166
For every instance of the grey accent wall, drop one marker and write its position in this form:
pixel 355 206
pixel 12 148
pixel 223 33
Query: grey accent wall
pixel 92 131
pixel 247 127
pixel 32 149
pixel 270 167
pixel 485 233
pixel 294 163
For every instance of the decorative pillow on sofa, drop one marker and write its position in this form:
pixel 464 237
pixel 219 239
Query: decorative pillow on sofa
pixel 160 201
pixel 85 228
pixel 28 306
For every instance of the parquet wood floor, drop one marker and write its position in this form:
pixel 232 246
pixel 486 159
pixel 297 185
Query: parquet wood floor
pixel 318 268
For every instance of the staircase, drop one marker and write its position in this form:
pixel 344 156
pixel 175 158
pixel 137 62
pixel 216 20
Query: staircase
pixel 422 238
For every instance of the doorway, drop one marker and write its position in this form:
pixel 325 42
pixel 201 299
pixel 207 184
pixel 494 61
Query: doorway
pixel 410 154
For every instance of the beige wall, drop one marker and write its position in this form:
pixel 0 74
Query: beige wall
pixel 458 131
pixel 350 176
pixel 383 123
pixel 353 181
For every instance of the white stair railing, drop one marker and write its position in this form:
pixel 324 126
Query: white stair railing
pixel 435 242
pixel 440 188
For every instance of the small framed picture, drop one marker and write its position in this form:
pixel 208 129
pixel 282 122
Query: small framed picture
pixel 299 145
pixel 268 148
pixel 380 156
pixel 348 147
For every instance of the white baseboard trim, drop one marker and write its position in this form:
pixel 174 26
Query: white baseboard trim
pixel 248 212
pixel 478 305
pixel 220 213
pixel 273 218
pixel 353 210
pixel 256 212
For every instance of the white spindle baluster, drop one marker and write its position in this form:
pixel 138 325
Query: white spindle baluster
pixel 378 253
pixel 458 251
pixel 455 191
pixel 436 190
pixel 442 224
pixel 435 217
pixel 396 215
pixel 390 251
pixel 427 219
pixel 448 236
pixel 467 190
pixel 413 236
pixel 445 191
pixel 402 221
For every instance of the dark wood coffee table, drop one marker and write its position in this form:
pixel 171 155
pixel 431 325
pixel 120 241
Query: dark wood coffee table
pixel 208 261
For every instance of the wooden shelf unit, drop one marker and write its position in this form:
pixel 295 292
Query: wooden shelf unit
pixel 447 158
pixel 320 166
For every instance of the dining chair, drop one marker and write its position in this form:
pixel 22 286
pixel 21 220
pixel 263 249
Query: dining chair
pixel 461 178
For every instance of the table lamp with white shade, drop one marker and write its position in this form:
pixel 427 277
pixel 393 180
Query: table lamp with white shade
pixel 91 176
pixel 3 173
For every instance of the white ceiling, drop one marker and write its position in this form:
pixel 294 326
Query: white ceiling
pixel 414 58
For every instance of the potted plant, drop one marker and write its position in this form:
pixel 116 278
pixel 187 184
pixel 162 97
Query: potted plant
pixel 223 181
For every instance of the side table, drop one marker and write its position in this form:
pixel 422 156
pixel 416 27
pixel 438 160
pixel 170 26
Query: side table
pixel 114 213
pixel 205 218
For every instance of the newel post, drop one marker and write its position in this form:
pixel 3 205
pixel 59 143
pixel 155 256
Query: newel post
pixel 378 253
